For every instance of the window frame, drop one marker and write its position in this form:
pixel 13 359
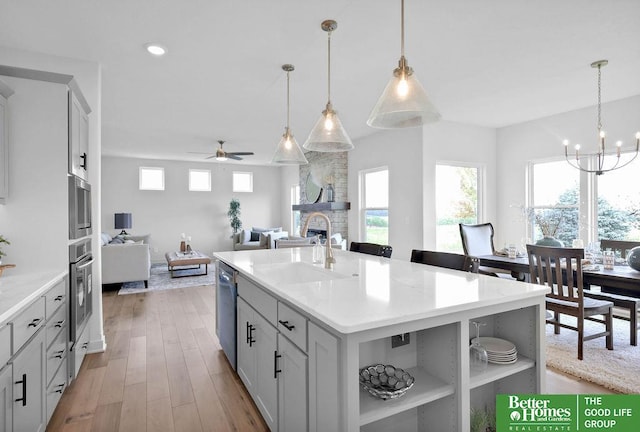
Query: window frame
pixel 142 169
pixel 234 185
pixel 197 170
pixel 362 198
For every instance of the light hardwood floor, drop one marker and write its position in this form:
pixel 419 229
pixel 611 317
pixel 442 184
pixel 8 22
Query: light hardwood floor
pixel 164 370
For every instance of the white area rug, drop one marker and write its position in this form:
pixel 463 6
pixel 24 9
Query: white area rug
pixel 161 280
pixel 617 370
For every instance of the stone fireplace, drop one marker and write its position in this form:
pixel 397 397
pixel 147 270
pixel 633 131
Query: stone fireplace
pixel 324 169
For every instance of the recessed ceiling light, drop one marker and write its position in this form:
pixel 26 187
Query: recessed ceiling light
pixel 155 49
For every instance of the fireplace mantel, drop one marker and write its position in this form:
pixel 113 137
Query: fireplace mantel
pixel 324 206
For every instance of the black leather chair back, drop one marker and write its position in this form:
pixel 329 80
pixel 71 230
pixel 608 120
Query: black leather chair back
pixel 371 249
pixel 447 260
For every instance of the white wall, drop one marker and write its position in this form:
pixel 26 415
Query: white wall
pixel 541 140
pixel 37 160
pixel 455 142
pixel 401 151
pixel 201 215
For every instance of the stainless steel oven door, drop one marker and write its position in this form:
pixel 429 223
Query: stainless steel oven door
pixel 81 288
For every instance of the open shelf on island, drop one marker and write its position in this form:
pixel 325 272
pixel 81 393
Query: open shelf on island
pixel 427 388
pixel 324 206
pixel 495 372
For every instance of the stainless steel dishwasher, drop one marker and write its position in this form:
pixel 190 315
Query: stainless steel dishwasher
pixel 226 296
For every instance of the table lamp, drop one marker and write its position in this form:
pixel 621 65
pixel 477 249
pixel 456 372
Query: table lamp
pixel 123 222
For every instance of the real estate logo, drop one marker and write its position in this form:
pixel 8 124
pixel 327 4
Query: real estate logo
pixel 545 413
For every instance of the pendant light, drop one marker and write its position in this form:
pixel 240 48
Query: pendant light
pixel 404 102
pixel 288 150
pixel 601 161
pixel 328 135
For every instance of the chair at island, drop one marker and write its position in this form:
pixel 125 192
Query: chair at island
pixel 371 249
pixel 447 260
pixel 551 266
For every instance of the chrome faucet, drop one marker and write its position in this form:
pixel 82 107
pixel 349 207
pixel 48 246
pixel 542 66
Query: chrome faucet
pixel 329 260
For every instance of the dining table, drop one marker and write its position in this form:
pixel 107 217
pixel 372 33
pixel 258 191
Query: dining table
pixel 622 279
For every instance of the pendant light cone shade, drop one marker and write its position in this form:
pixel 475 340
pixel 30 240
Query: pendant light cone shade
pixel 404 102
pixel 328 134
pixel 288 151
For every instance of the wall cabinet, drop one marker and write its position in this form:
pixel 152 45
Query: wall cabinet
pixel 78 137
pixel 271 366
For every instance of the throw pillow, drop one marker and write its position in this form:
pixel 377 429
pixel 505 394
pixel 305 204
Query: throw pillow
pixel 245 236
pixel 255 236
pixel 117 240
pixel 105 238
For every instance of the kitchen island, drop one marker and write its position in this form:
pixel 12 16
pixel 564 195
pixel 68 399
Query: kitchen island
pixel 312 329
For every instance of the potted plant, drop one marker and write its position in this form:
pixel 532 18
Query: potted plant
pixel 233 214
pixel 482 420
pixel 5 241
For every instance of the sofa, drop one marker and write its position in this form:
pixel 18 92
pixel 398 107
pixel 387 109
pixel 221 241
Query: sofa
pixel 125 258
pixel 337 242
pixel 257 238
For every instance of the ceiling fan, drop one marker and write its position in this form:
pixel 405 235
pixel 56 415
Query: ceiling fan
pixel 222 155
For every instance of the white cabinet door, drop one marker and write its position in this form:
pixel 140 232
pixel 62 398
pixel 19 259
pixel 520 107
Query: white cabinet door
pixel 6 398
pixel 324 380
pixel 29 386
pixel 246 356
pixel 266 384
pixel 292 387
pixel 78 137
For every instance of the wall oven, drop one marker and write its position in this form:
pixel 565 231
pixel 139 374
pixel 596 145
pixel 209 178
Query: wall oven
pixel 79 207
pixel 80 285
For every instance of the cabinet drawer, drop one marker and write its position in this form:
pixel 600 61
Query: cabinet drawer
pixel 266 305
pixel 5 344
pixel 55 389
pixel 55 325
pixel 56 354
pixel 27 323
pixel 292 325
pixel 55 297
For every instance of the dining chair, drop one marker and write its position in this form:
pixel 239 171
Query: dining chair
pixel 477 240
pixel 553 266
pixel 446 259
pixel 621 246
pixel 371 249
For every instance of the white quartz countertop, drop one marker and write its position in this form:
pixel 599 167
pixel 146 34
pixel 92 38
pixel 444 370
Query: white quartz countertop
pixel 365 292
pixel 18 291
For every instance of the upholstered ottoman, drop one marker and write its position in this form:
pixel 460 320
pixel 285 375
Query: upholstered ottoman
pixel 187 261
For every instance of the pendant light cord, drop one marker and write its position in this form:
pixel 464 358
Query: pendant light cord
pixel 329 67
pixel 599 101
pixel 402 29
pixel 287 101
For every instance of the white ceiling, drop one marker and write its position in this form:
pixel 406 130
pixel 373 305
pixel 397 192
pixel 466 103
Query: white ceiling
pixel 483 62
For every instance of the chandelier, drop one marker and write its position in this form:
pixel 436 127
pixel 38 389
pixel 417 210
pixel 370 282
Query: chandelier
pixel 604 161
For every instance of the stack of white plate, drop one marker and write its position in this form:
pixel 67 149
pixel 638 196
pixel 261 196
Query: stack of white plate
pixel 499 351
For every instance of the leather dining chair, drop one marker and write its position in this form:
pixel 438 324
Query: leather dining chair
pixel 371 249
pixel 446 260
pixel 477 240
pixel 552 266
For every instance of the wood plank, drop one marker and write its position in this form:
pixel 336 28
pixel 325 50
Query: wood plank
pixel 179 383
pixel 237 403
pixel 113 385
pixel 160 416
pixel 133 415
pixel 186 418
pixel 107 418
pixel 89 379
pixel 137 361
pixel 119 346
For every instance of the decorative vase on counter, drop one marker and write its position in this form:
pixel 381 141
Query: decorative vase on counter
pixel 549 241
pixel 330 193
pixel 633 258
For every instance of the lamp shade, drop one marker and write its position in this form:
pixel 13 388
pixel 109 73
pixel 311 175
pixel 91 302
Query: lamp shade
pixel 122 221
pixel 328 134
pixel 288 151
pixel 403 103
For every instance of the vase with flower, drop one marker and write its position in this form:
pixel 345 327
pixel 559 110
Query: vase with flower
pixel 549 222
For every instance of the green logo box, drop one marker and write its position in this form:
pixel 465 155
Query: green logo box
pixel 546 413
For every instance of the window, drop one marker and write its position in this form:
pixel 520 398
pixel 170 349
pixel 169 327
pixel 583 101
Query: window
pixel 295 214
pixel 242 181
pixel 554 202
pixel 619 203
pixel 374 195
pixel 199 180
pixel 457 201
pixel 151 178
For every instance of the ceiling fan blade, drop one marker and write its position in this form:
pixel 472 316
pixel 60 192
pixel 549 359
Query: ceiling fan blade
pixel 240 153
pixel 200 152
pixel 233 156
pixel 210 157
